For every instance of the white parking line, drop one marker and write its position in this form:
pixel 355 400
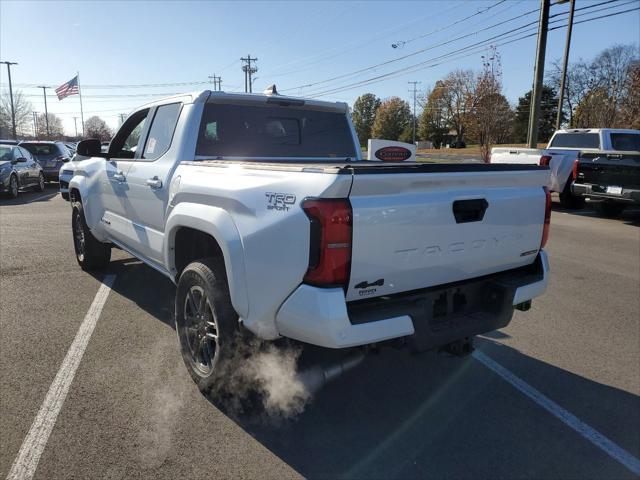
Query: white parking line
pixel 25 464
pixel 50 195
pixel 599 440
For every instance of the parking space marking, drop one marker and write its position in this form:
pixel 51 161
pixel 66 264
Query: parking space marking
pixel 46 195
pixel 599 440
pixel 34 443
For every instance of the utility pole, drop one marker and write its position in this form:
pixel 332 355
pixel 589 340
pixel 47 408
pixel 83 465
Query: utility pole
pixel 75 125
pixel 35 125
pixel 46 112
pixel 217 82
pixel 415 91
pixel 567 46
pixel 538 75
pixel 248 71
pixel 123 117
pixel 13 112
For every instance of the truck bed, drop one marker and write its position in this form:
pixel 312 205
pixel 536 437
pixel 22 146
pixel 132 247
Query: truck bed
pixel 364 166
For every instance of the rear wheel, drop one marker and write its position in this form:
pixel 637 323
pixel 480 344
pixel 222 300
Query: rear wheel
pixel 569 200
pixel 13 187
pixel 206 323
pixel 610 209
pixel 40 185
pixel 91 254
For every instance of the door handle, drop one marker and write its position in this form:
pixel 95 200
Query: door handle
pixel 154 182
pixel 119 176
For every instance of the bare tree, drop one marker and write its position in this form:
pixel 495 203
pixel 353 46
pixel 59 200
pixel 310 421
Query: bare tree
pixel 457 91
pixel 55 126
pixel 23 110
pixel 95 127
pixel 489 112
pixel 598 90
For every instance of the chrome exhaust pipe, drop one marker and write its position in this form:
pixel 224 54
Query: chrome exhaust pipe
pixel 317 376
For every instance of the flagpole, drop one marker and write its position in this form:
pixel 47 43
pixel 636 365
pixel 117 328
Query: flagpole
pixel 80 94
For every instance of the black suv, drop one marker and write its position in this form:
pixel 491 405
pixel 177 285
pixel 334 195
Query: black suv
pixel 50 155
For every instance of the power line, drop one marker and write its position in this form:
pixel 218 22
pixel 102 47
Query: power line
pixel 447 42
pixel 402 43
pixel 429 63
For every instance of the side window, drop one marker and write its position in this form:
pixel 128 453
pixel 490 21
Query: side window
pixel 625 141
pixel 161 131
pixel 26 154
pixel 125 143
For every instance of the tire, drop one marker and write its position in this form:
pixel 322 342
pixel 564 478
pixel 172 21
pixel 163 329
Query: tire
pixel 13 187
pixel 610 209
pixel 207 325
pixel 40 185
pixel 91 254
pixel 570 201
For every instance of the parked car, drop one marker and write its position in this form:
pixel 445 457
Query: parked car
pixel 610 179
pixel 50 155
pixel 564 148
pixel 261 210
pixel 18 170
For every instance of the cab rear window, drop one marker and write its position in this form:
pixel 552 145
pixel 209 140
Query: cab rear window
pixel 576 140
pixel 273 131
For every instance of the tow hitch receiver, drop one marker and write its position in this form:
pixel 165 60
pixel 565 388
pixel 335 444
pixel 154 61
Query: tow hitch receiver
pixel 459 348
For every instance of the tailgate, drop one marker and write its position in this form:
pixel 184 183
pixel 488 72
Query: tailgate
pixel 421 228
pixel 622 170
pixel 522 156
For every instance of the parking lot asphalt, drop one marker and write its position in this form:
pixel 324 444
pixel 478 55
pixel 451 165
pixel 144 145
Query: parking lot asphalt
pixel 133 412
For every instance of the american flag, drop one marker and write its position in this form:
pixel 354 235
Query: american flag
pixel 68 88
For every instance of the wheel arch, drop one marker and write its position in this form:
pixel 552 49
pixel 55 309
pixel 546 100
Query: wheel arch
pixel 195 231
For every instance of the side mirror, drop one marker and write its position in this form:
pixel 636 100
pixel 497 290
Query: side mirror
pixel 89 148
pixel 21 160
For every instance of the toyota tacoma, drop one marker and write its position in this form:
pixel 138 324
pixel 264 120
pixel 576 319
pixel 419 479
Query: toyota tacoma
pixel 260 208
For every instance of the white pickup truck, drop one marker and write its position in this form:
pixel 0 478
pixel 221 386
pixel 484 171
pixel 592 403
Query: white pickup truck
pixel 562 153
pixel 262 211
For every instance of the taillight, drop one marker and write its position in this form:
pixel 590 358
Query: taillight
pixel 547 218
pixel 545 160
pixel 576 163
pixel 330 246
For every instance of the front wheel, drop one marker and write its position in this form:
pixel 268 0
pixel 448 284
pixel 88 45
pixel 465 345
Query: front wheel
pixel 206 323
pixel 40 185
pixel 91 254
pixel 13 187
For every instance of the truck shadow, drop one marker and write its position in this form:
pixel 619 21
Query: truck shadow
pixel 147 288
pixel 630 216
pixel 399 415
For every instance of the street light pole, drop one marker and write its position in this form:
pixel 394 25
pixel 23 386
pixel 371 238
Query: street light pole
pixel 536 95
pixel 567 46
pixel 46 112
pixel 13 112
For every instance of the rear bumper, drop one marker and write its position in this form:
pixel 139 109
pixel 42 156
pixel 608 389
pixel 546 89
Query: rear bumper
pixel 596 192
pixel 51 175
pixel 430 318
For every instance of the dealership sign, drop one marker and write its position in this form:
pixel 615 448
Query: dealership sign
pixel 389 151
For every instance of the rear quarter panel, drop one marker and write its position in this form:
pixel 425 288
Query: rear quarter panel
pixel 274 235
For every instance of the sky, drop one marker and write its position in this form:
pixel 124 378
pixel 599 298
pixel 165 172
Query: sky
pixel 124 50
